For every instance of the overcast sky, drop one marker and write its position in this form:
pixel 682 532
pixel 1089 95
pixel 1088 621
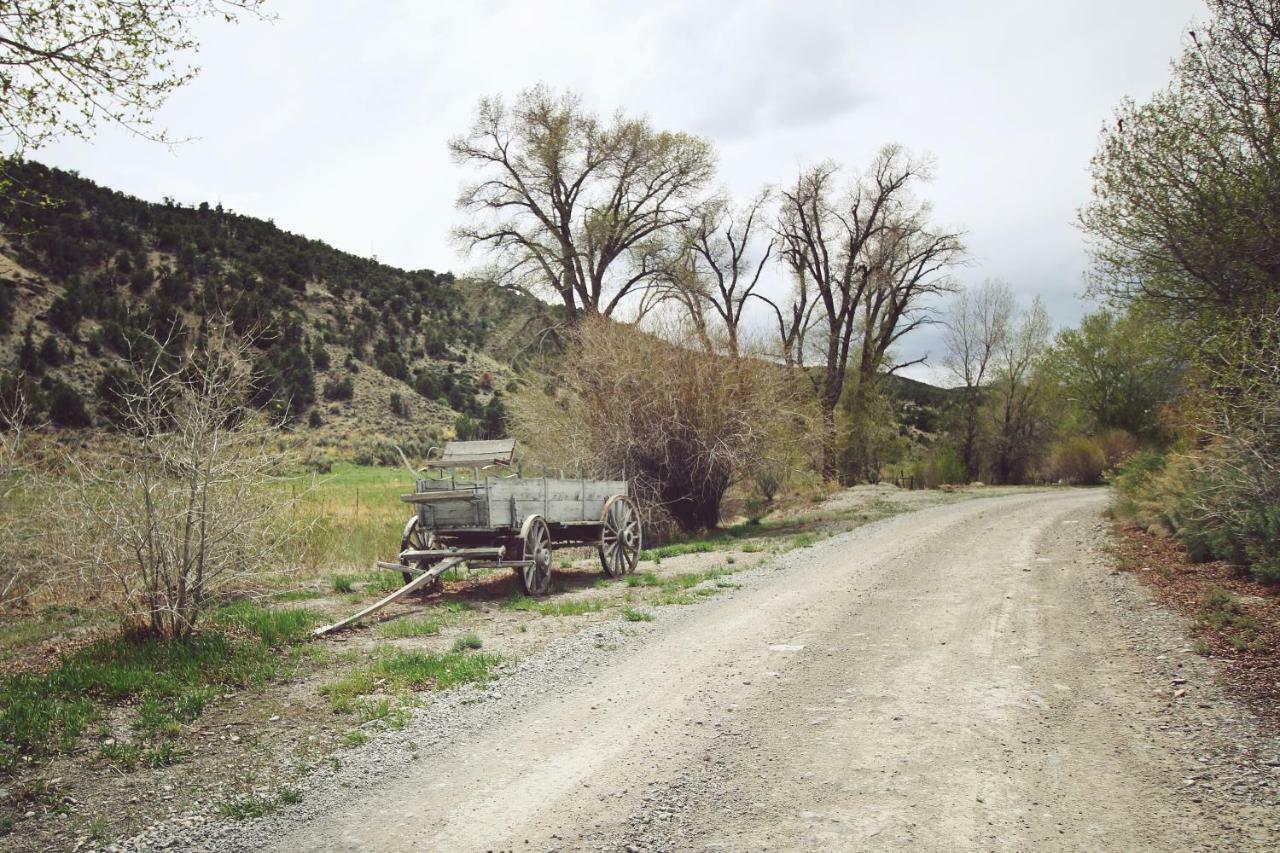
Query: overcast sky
pixel 333 119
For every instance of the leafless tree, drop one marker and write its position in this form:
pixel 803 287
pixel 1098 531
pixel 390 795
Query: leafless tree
pixel 183 505
pixel 1020 423
pixel 870 258
pixel 571 205
pixel 976 328
pixel 719 265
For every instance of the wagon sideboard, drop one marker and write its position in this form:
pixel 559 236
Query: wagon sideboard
pixel 504 502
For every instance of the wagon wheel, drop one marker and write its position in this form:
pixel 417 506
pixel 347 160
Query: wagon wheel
pixel 619 536
pixel 536 577
pixel 419 539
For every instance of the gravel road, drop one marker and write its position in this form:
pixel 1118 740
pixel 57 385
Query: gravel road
pixel 968 676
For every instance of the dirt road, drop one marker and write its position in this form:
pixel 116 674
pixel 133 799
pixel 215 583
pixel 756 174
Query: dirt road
pixel 962 677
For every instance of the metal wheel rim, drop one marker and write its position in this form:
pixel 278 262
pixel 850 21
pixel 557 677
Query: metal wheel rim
pixel 537 547
pixel 620 536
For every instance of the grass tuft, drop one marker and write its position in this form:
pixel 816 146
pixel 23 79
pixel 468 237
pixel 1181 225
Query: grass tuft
pixel 633 615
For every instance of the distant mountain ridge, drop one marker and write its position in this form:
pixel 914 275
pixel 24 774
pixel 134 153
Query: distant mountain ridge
pixel 352 348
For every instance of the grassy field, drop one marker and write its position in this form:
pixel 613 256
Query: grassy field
pixel 354 516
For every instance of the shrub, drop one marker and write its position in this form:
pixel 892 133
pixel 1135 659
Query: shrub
pixel 339 388
pixel 682 438
pixel 1077 460
pixel 66 407
pixel 1116 445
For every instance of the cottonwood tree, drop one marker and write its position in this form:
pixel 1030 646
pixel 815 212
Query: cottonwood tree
pixel 66 68
pixel 1019 422
pixel 976 329
pixel 722 255
pixel 574 206
pixel 1187 186
pixel 870 258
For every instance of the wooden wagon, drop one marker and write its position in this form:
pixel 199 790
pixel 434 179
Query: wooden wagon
pixel 472 505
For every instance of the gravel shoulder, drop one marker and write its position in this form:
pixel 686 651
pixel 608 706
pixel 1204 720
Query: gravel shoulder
pixel 967 676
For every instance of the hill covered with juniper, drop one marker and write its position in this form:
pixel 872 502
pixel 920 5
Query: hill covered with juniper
pixel 359 352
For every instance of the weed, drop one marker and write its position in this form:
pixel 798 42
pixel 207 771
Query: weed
pixel 343 584
pixel 1202 648
pixel 124 756
pixel 289 796
pixel 467 641
pixel 274 626
pixel 400 670
pixel 568 607
pixel 1221 611
pixel 751 548
pixel 354 739
pixel 163 755
pixel 246 808
pixel 633 615
pixel 804 540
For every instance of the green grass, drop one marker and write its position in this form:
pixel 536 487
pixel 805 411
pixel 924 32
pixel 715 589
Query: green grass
pixel 343 584
pixel 356 514
pixel 18 633
pixel 169 683
pixel 399 628
pixel 397 670
pixel 273 626
pixel 568 607
pixel 297 595
pixel 633 615
pixel 353 739
pixel 467 641
pixel 254 806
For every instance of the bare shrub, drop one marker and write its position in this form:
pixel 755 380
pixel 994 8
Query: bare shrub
pixel 1077 460
pixel 681 423
pixel 1116 445
pixel 181 504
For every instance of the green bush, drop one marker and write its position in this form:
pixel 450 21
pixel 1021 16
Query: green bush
pixel 1077 460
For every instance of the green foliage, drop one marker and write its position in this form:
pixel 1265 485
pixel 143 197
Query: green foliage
pixel 1077 460
pixel 171 681
pixel 1119 368
pixel 467 641
pixel 273 626
pixel 632 615
pixel 399 670
pixel 66 406
pixel 339 388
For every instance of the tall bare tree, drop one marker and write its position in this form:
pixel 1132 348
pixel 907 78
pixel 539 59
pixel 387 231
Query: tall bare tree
pixel 870 258
pixel 719 266
pixel 977 328
pixel 571 205
pixel 1016 410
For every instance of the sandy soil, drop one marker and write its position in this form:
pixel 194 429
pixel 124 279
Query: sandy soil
pixel 969 676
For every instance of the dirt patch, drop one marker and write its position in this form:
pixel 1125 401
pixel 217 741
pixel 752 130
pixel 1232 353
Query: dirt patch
pixel 1239 630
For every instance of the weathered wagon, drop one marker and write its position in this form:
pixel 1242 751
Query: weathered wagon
pixel 497 518
pixel 491 516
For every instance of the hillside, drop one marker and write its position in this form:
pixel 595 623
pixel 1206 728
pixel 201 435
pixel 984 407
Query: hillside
pixel 355 351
